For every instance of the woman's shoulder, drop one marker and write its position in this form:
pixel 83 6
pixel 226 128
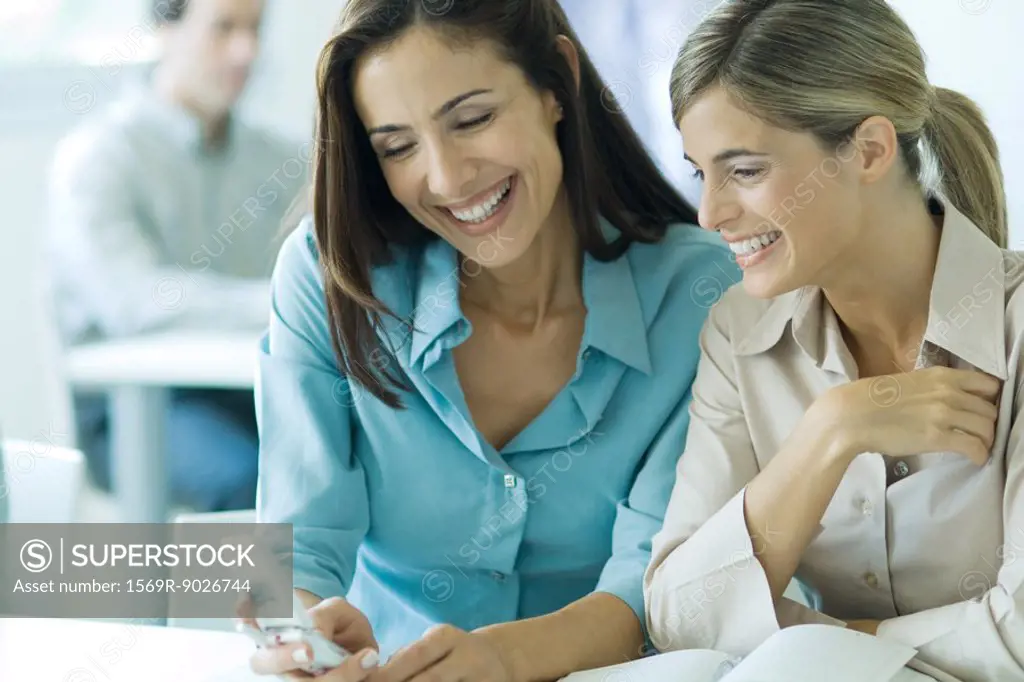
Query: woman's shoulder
pixel 299 260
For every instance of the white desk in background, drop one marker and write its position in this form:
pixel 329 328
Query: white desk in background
pixel 137 374
pixel 55 650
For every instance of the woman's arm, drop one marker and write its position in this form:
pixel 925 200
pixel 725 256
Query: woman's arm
pixel 706 586
pixel 784 504
pixel 595 631
pixel 309 476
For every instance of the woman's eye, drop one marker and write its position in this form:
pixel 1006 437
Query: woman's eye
pixel 395 152
pixel 474 122
pixel 748 173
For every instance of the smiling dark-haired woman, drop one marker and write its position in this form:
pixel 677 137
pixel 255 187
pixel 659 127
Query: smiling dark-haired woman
pixel 475 383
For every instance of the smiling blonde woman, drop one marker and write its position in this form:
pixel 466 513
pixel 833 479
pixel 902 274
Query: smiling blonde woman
pixel 854 420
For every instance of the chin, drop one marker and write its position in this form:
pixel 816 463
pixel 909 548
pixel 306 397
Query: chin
pixel 770 273
pixel 765 285
pixel 495 250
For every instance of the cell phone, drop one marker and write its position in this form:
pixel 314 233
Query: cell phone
pixel 298 628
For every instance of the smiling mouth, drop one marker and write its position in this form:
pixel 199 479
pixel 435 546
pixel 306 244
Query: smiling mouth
pixel 474 215
pixel 489 213
pixel 748 247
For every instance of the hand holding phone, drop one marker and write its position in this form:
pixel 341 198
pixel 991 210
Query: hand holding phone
pixel 333 616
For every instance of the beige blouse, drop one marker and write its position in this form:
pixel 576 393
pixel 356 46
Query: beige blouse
pixel 932 545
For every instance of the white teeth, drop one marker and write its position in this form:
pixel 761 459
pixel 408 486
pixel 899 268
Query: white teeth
pixel 754 244
pixel 483 211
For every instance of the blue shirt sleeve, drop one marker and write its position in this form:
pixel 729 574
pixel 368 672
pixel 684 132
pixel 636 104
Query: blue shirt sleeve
pixel 640 516
pixel 308 474
pixel 707 272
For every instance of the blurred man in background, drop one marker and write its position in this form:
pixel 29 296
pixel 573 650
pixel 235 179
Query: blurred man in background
pixel 165 211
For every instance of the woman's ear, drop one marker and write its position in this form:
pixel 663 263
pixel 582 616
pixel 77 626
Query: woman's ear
pixel 568 50
pixel 877 147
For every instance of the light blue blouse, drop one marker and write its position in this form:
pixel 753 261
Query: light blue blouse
pixel 411 514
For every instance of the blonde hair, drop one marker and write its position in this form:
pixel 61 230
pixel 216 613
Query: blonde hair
pixel 823 66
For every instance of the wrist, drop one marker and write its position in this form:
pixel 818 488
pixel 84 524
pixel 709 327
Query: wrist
pixel 511 662
pixel 840 448
pixel 308 599
pixel 828 433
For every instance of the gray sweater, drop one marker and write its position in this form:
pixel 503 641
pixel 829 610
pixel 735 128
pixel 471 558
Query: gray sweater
pixel 149 229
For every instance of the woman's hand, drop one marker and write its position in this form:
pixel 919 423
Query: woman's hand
pixel 339 622
pixel 926 410
pixel 447 654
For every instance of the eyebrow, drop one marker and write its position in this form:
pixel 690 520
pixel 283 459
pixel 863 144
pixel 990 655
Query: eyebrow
pixel 727 155
pixel 444 109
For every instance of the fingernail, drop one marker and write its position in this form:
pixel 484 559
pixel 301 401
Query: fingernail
pixel 369 660
pixel 300 656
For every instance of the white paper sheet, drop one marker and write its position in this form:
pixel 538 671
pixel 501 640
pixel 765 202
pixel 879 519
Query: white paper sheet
pixel 804 653
pixel 675 666
pixel 811 653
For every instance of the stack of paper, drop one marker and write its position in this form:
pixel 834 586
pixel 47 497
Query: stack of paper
pixel 803 653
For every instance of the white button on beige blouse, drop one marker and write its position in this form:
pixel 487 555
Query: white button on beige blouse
pixel 931 545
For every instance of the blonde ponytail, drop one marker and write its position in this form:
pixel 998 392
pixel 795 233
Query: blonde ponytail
pixel 967 161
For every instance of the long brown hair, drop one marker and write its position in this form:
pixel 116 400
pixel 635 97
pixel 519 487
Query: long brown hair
pixel 358 223
pixel 824 67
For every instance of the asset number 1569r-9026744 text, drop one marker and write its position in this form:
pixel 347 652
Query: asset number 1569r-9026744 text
pixel 212 585
pixel 135 586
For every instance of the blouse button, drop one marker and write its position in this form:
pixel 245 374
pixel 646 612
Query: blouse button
pixel 871 579
pixel 866 507
pixel 901 469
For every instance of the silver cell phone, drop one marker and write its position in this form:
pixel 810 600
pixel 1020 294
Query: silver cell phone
pixel 298 628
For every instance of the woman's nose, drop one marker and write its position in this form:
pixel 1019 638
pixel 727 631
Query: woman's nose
pixel 717 207
pixel 448 175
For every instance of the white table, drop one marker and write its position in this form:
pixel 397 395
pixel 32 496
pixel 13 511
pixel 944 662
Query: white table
pixel 45 650
pixel 137 374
